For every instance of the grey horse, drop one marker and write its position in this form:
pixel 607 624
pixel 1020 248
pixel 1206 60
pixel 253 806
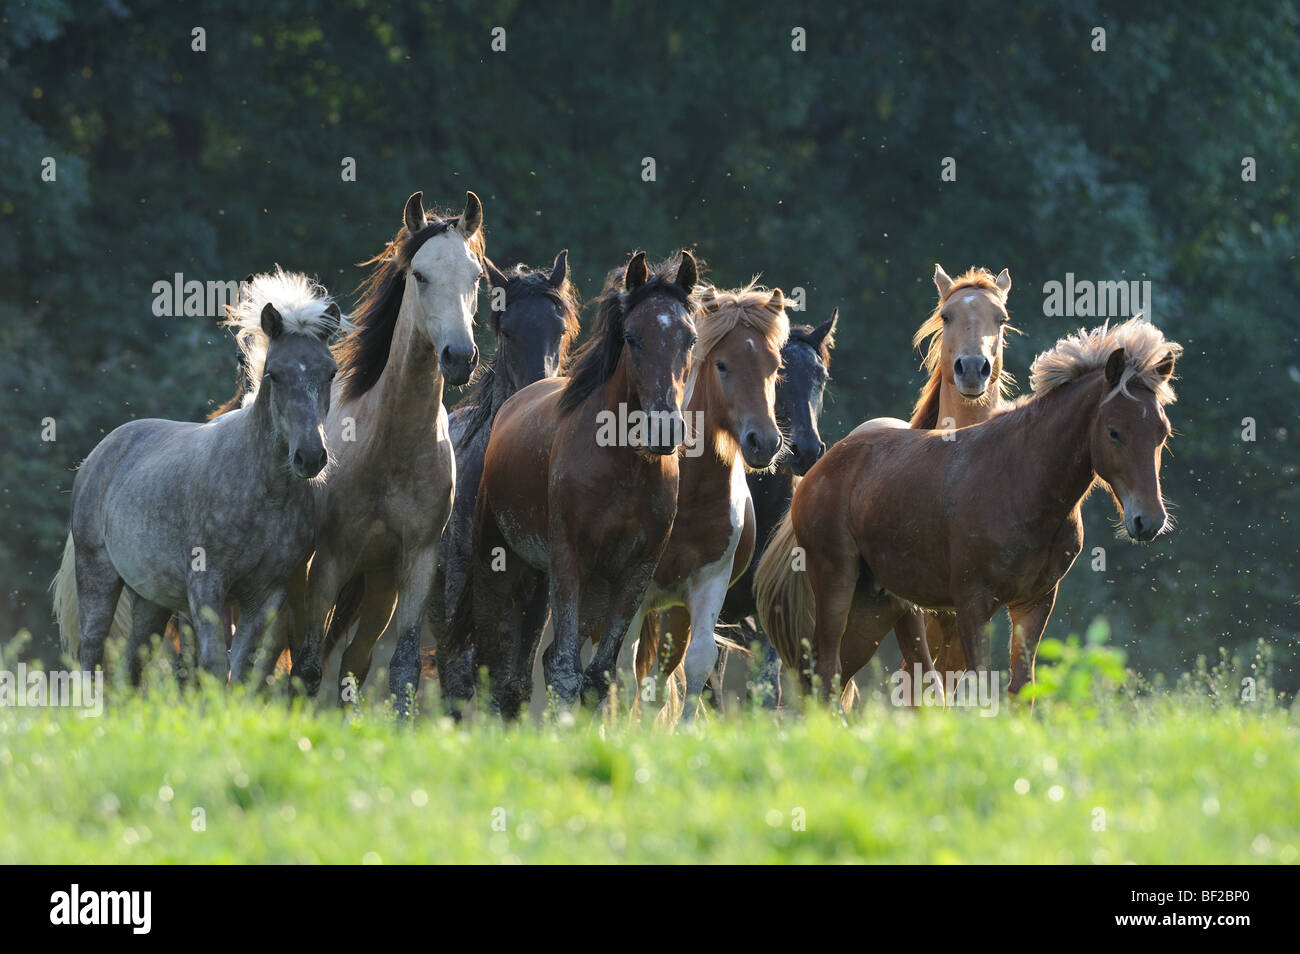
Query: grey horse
pixel 191 518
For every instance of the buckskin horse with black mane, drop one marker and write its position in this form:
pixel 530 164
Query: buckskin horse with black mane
pixel 894 518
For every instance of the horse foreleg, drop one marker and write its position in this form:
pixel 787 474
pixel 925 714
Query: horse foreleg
pixel 372 615
pixel 249 630
pixel 1028 620
pixel 147 619
pixel 626 598
pixel 834 580
pixel 413 584
pixel 326 578
pixel 912 643
pixel 701 647
pixel 973 615
pixel 207 597
pixel 562 660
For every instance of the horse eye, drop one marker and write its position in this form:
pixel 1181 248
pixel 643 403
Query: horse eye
pixel 420 279
pixel 945 318
pixel 1114 435
pixel 721 366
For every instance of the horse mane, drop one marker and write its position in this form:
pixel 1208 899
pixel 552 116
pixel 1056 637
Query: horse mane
pixel 522 282
pixel 595 362
pixel 1145 348
pixel 925 414
pixel 303 306
pixel 803 334
pixel 363 354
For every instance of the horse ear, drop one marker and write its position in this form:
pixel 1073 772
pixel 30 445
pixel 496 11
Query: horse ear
pixel 1166 366
pixel 496 277
pixel 688 273
pixel 335 313
pixel 824 334
pixel 1114 368
pixel 413 214
pixel 637 272
pixel 941 280
pixel 272 323
pixel 471 220
pixel 1003 281
pixel 777 301
pixel 560 273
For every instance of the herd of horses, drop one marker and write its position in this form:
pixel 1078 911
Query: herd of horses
pixel 334 499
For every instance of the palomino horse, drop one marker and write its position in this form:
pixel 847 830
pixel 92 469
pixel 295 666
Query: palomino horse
pixel 579 491
pixel 805 369
pixel 963 339
pixel 393 476
pixel 534 329
pixel 193 517
pixel 731 397
pixel 1096 414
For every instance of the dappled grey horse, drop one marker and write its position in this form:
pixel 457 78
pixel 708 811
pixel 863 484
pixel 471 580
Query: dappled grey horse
pixel 191 518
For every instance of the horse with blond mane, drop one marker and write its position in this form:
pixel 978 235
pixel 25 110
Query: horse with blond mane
pixel 1002 521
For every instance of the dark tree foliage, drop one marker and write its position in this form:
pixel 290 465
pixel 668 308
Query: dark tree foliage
pixel 818 169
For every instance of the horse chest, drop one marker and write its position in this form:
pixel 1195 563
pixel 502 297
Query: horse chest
pixel 706 532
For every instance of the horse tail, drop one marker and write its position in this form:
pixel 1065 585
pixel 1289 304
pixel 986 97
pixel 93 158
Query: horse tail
pixel 647 648
pixel 784 598
pixel 64 586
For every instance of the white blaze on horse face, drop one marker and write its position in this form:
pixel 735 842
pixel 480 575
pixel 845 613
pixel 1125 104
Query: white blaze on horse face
pixel 447 296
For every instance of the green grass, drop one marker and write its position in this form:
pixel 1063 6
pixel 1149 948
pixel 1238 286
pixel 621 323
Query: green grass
pixel 1179 779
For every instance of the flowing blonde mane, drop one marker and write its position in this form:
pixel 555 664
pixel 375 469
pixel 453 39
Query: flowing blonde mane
pixel 722 310
pixel 1145 348
pixel 930 337
pixel 303 305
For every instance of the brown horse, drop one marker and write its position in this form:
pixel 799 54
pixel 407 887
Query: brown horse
pixel 573 508
pixel 963 339
pixel 1001 521
pixel 732 394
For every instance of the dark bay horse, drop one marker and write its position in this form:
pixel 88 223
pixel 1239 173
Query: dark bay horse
pixel 191 518
pixel 534 329
pixel 731 401
pixel 894 518
pixel 579 491
pixel 800 388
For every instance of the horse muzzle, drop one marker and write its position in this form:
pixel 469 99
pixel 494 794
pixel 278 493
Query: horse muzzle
pixel 458 363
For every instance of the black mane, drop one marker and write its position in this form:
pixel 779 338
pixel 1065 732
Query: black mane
pixel 594 363
pixel 363 354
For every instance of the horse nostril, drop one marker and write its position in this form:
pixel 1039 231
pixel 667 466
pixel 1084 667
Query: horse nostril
pixel 986 369
pixel 1138 524
pixel 956 366
pixel 299 462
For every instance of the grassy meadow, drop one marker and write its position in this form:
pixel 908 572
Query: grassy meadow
pixel 1098 771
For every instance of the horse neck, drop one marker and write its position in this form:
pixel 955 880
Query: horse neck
pixel 962 412
pixel 1057 472
pixel 708 470
pixel 410 388
pixel 268 449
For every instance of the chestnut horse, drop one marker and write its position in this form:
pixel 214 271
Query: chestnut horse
pixel 1001 522
pixel 571 515
pixel 732 393
pixel 963 339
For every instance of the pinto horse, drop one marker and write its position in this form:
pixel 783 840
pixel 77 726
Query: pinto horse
pixel 393 476
pixel 191 518
pixel 570 515
pixel 1001 522
pixel 731 397
pixel 800 389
